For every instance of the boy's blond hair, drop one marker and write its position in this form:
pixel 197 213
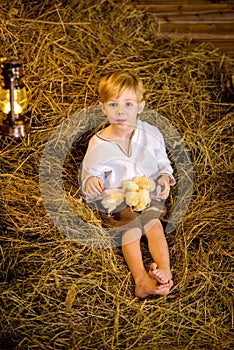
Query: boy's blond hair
pixel 117 82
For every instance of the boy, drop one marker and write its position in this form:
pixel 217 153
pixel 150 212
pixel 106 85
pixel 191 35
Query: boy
pixel 125 149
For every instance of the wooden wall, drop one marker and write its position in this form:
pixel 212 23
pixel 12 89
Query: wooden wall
pixel 199 20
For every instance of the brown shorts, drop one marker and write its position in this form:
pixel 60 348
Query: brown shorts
pixel 124 218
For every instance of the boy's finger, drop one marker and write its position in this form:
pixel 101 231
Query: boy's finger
pixel 100 185
pixel 163 194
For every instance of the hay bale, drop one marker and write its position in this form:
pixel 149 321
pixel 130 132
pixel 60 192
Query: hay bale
pixel 60 294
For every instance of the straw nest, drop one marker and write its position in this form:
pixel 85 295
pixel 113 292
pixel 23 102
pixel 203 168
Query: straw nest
pixel 58 293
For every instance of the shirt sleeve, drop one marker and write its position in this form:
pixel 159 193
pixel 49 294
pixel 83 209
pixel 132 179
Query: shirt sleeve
pixel 163 162
pixel 165 167
pixel 92 164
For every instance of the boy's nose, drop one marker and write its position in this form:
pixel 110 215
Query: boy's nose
pixel 120 108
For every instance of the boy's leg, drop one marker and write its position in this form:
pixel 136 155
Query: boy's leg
pixel 160 269
pixel 145 285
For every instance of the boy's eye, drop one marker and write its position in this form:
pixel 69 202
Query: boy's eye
pixel 129 104
pixel 112 104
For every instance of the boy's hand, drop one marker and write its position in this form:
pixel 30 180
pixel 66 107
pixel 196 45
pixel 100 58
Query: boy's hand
pixel 94 187
pixel 164 183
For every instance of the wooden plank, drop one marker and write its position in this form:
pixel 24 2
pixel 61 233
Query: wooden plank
pixel 198 36
pixel 209 13
pixel 185 7
pixel 210 17
pixel 182 2
pixel 210 28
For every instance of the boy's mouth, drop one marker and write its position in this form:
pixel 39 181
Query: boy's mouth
pixel 120 120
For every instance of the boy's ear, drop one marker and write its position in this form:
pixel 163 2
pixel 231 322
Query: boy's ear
pixel 141 107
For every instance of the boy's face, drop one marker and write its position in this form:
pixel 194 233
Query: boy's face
pixel 123 111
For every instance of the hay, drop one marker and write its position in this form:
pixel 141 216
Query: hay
pixel 60 294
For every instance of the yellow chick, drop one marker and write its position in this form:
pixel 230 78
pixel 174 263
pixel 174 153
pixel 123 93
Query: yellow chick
pixel 132 198
pixel 129 186
pixel 145 183
pixel 143 200
pixel 112 200
pixel 152 185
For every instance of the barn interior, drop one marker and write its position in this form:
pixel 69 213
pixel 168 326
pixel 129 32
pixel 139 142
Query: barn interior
pixel 64 285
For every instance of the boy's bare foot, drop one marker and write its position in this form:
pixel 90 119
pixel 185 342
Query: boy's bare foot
pixel 164 289
pixel 147 286
pixel 163 276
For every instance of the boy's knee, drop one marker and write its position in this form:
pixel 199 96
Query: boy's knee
pixel 152 224
pixel 132 235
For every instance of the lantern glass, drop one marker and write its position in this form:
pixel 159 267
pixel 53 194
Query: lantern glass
pixel 20 100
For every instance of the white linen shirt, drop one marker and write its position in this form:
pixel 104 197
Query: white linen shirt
pixel 107 160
